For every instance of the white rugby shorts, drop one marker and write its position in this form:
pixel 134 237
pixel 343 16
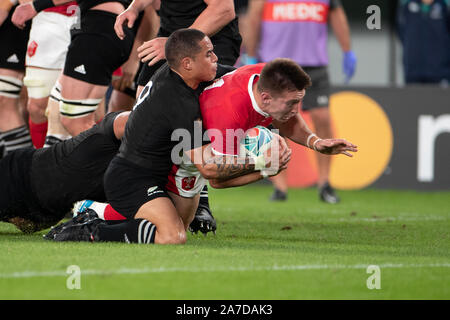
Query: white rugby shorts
pixel 185 180
pixel 49 39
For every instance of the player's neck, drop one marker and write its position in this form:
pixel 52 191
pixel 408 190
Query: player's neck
pixel 190 82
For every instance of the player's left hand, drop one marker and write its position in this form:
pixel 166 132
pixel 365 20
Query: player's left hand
pixel 335 146
pixel 152 51
pixel 22 14
pixel 349 65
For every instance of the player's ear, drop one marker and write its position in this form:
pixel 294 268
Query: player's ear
pixel 186 63
pixel 265 97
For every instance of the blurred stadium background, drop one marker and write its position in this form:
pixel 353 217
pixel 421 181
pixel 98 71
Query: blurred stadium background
pixel 403 131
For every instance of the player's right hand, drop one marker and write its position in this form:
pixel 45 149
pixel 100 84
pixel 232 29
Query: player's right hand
pixel 128 17
pixel 336 146
pixel 152 51
pixel 22 14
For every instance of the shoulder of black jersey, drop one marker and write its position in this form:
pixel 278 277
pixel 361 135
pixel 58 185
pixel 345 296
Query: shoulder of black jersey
pixel 223 69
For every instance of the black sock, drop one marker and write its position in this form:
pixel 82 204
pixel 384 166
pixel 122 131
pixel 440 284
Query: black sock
pixel 2 146
pixel 16 139
pixel 204 198
pixel 132 231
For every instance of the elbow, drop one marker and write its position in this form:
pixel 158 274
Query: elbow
pixel 231 14
pixel 209 172
pixel 216 184
pixel 228 13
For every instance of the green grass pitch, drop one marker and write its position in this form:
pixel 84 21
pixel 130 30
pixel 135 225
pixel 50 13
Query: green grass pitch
pixel 299 249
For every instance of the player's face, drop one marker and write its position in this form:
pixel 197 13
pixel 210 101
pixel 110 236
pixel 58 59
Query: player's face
pixel 205 62
pixel 286 105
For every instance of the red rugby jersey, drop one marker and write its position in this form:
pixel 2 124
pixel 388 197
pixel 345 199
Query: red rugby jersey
pixel 229 108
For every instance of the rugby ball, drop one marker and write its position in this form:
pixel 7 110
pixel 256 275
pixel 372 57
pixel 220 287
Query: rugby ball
pixel 256 141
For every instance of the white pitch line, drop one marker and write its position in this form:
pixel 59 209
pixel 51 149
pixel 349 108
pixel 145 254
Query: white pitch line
pixel 122 271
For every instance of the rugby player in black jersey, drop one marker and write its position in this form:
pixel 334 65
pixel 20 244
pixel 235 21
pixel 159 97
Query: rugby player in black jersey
pixel 216 18
pixel 135 181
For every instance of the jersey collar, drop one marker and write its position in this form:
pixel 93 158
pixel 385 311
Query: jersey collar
pixel 252 97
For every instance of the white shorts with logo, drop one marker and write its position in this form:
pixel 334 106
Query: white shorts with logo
pixel 49 40
pixel 185 180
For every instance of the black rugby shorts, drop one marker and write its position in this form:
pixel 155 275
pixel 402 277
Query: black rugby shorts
pixel 128 187
pixel 13 45
pixel 318 95
pixel 95 51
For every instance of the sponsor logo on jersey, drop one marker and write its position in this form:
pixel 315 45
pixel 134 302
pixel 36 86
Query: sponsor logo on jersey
pixel 32 47
pixel 80 69
pixel 296 11
pixel 13 59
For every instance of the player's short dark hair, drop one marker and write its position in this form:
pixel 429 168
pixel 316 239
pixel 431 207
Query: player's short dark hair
pixel 183 43
pixel 282 74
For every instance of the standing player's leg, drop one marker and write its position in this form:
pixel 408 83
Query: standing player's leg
pixel 322 124
pixel 55 131
pixel 47 49
pixel 316 102
pixel 90 63
pixel 79 102
pixel 39 83
pixel 14 133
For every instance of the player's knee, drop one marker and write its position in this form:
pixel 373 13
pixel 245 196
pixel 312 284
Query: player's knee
pixel 40 82
pixel 73 109
pixel 36 107
pixel 175 236
pixel 78 115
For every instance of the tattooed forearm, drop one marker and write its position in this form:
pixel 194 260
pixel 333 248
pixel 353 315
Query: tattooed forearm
pixel 231 167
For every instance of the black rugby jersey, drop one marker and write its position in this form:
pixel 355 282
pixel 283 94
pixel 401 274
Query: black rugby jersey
pixel 87 4
pixel 73 170
pixel 178 14
pixel 168 104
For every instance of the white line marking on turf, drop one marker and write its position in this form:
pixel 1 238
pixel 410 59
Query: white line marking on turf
pixel 122 271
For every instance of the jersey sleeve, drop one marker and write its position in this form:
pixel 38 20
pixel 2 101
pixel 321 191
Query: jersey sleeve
pixel 335 4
